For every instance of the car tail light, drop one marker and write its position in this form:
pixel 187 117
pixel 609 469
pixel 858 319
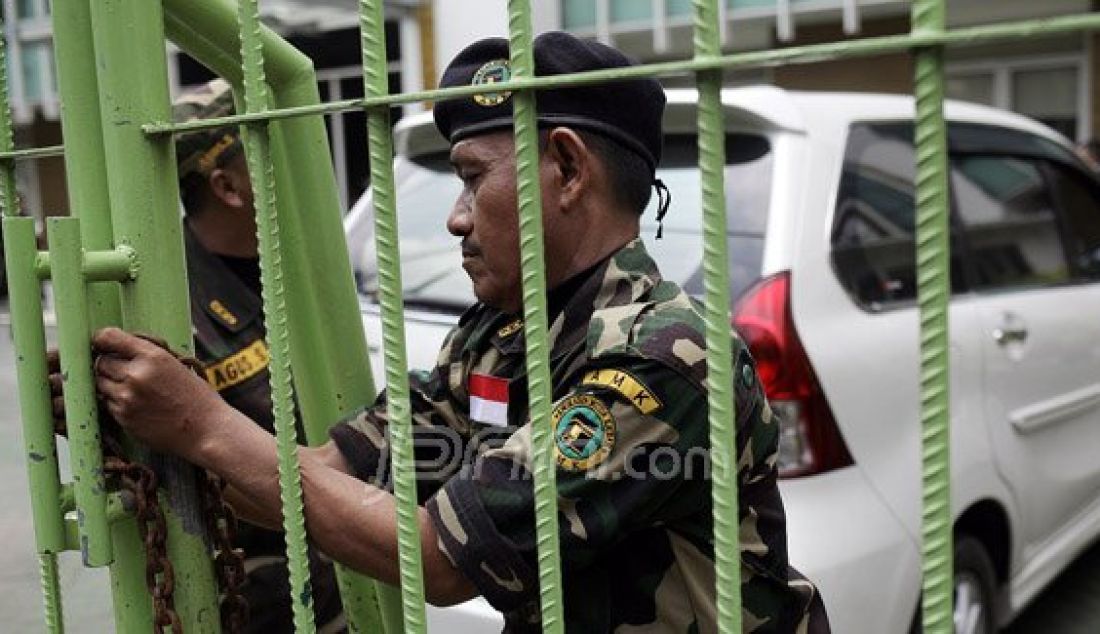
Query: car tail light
pixel 809 440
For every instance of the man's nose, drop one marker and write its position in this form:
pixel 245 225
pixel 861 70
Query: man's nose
pixel 460 221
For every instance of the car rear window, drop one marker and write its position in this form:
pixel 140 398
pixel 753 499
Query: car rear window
pixel 431 262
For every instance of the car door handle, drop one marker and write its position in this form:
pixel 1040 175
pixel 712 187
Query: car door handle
pixel 1010 334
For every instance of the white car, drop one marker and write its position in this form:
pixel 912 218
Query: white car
pixel 820 197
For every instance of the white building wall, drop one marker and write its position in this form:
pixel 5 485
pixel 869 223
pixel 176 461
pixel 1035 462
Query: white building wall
pixel 458 23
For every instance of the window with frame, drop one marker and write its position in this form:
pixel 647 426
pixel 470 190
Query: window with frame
pixel 873 249
pixel 1007 217
pixel 1078 198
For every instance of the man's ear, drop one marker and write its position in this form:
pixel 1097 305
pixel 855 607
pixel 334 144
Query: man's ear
pixel 226 188
pixel 574 161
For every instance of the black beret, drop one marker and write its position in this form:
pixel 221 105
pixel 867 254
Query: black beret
pixel 626 111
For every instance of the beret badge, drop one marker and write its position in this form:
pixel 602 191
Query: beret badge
pixel 493 72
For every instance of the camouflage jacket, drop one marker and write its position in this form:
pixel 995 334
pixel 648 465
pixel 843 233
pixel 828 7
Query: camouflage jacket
pixel 631 445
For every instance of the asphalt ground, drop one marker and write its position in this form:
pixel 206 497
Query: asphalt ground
pixel 1069 606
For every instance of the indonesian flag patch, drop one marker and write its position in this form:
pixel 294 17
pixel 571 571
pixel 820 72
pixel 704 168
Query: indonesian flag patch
pixel 488 399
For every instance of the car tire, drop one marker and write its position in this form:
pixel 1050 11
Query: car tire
pixel 975 590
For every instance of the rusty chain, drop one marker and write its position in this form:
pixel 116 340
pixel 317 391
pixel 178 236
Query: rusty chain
pixel 221 523
pixel 140 481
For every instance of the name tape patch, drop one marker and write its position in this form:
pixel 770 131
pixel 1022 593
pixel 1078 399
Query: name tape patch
pixel 239 366
pixel 625 384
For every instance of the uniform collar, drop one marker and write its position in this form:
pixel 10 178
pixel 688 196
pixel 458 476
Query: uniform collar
pixel 623 278
pixel 217 289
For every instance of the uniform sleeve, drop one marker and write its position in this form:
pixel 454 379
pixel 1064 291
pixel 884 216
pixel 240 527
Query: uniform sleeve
pixel 774 596
pixel 439 428
pixel 630 445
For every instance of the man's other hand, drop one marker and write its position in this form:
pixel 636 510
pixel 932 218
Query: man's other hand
pixel 153 396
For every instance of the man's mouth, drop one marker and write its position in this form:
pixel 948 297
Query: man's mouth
pixel 469 251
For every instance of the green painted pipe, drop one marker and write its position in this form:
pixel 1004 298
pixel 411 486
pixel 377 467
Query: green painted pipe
pixel 376 82
pixel 133 606
pixel 933 292
pixel 25 299
pixel 116 265
pixel 39 445
pixel 132 84
pixel 720 395
pixel 331 376
pixel 82 130
pixel 535 320
pixel 81 410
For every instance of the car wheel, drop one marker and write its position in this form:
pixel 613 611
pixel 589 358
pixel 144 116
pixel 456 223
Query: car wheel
pixel 975 589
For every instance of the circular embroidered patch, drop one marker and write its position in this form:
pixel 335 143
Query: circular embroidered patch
pixel 494 72
pixel 584 432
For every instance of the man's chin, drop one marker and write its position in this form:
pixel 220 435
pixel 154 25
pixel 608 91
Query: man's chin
pixel 494 299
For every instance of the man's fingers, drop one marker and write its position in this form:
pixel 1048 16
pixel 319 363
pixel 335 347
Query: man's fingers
pixel 117 342
pixel 110 367
pixel 109 389
pixel 58 403
pixel 53 361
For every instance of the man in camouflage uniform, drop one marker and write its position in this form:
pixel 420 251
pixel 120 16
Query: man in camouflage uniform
pixel 223 271
pixel 629 417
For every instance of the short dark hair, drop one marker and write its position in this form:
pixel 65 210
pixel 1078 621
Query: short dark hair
pixel 195 186
pixel 630 175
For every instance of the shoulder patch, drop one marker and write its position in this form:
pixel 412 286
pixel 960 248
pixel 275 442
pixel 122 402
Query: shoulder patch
pixel 238 367
pixel 510 329
pixel 584 432
pixel 626 385
pixel 223 313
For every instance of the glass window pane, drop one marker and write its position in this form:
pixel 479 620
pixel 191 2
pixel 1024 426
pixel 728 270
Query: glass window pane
pixel 1008 218
pixel 1049 95
pixel 1080 204
pixel 578 14
pixel 678 7
pixel 873 250
pixel 631 10
pixel 972 87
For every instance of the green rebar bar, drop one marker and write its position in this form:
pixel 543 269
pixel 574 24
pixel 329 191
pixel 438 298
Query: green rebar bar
pixel 720 376
pixel 81 410
pixel 258 151
pixel 51 592
pixel 9 197
pixel 380 144
pixel 33 153
pixel 933 280
pixel 535 319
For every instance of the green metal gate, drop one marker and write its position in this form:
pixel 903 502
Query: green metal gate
pixel 119 260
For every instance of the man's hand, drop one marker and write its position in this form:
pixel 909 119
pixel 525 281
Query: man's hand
pixel 152 395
